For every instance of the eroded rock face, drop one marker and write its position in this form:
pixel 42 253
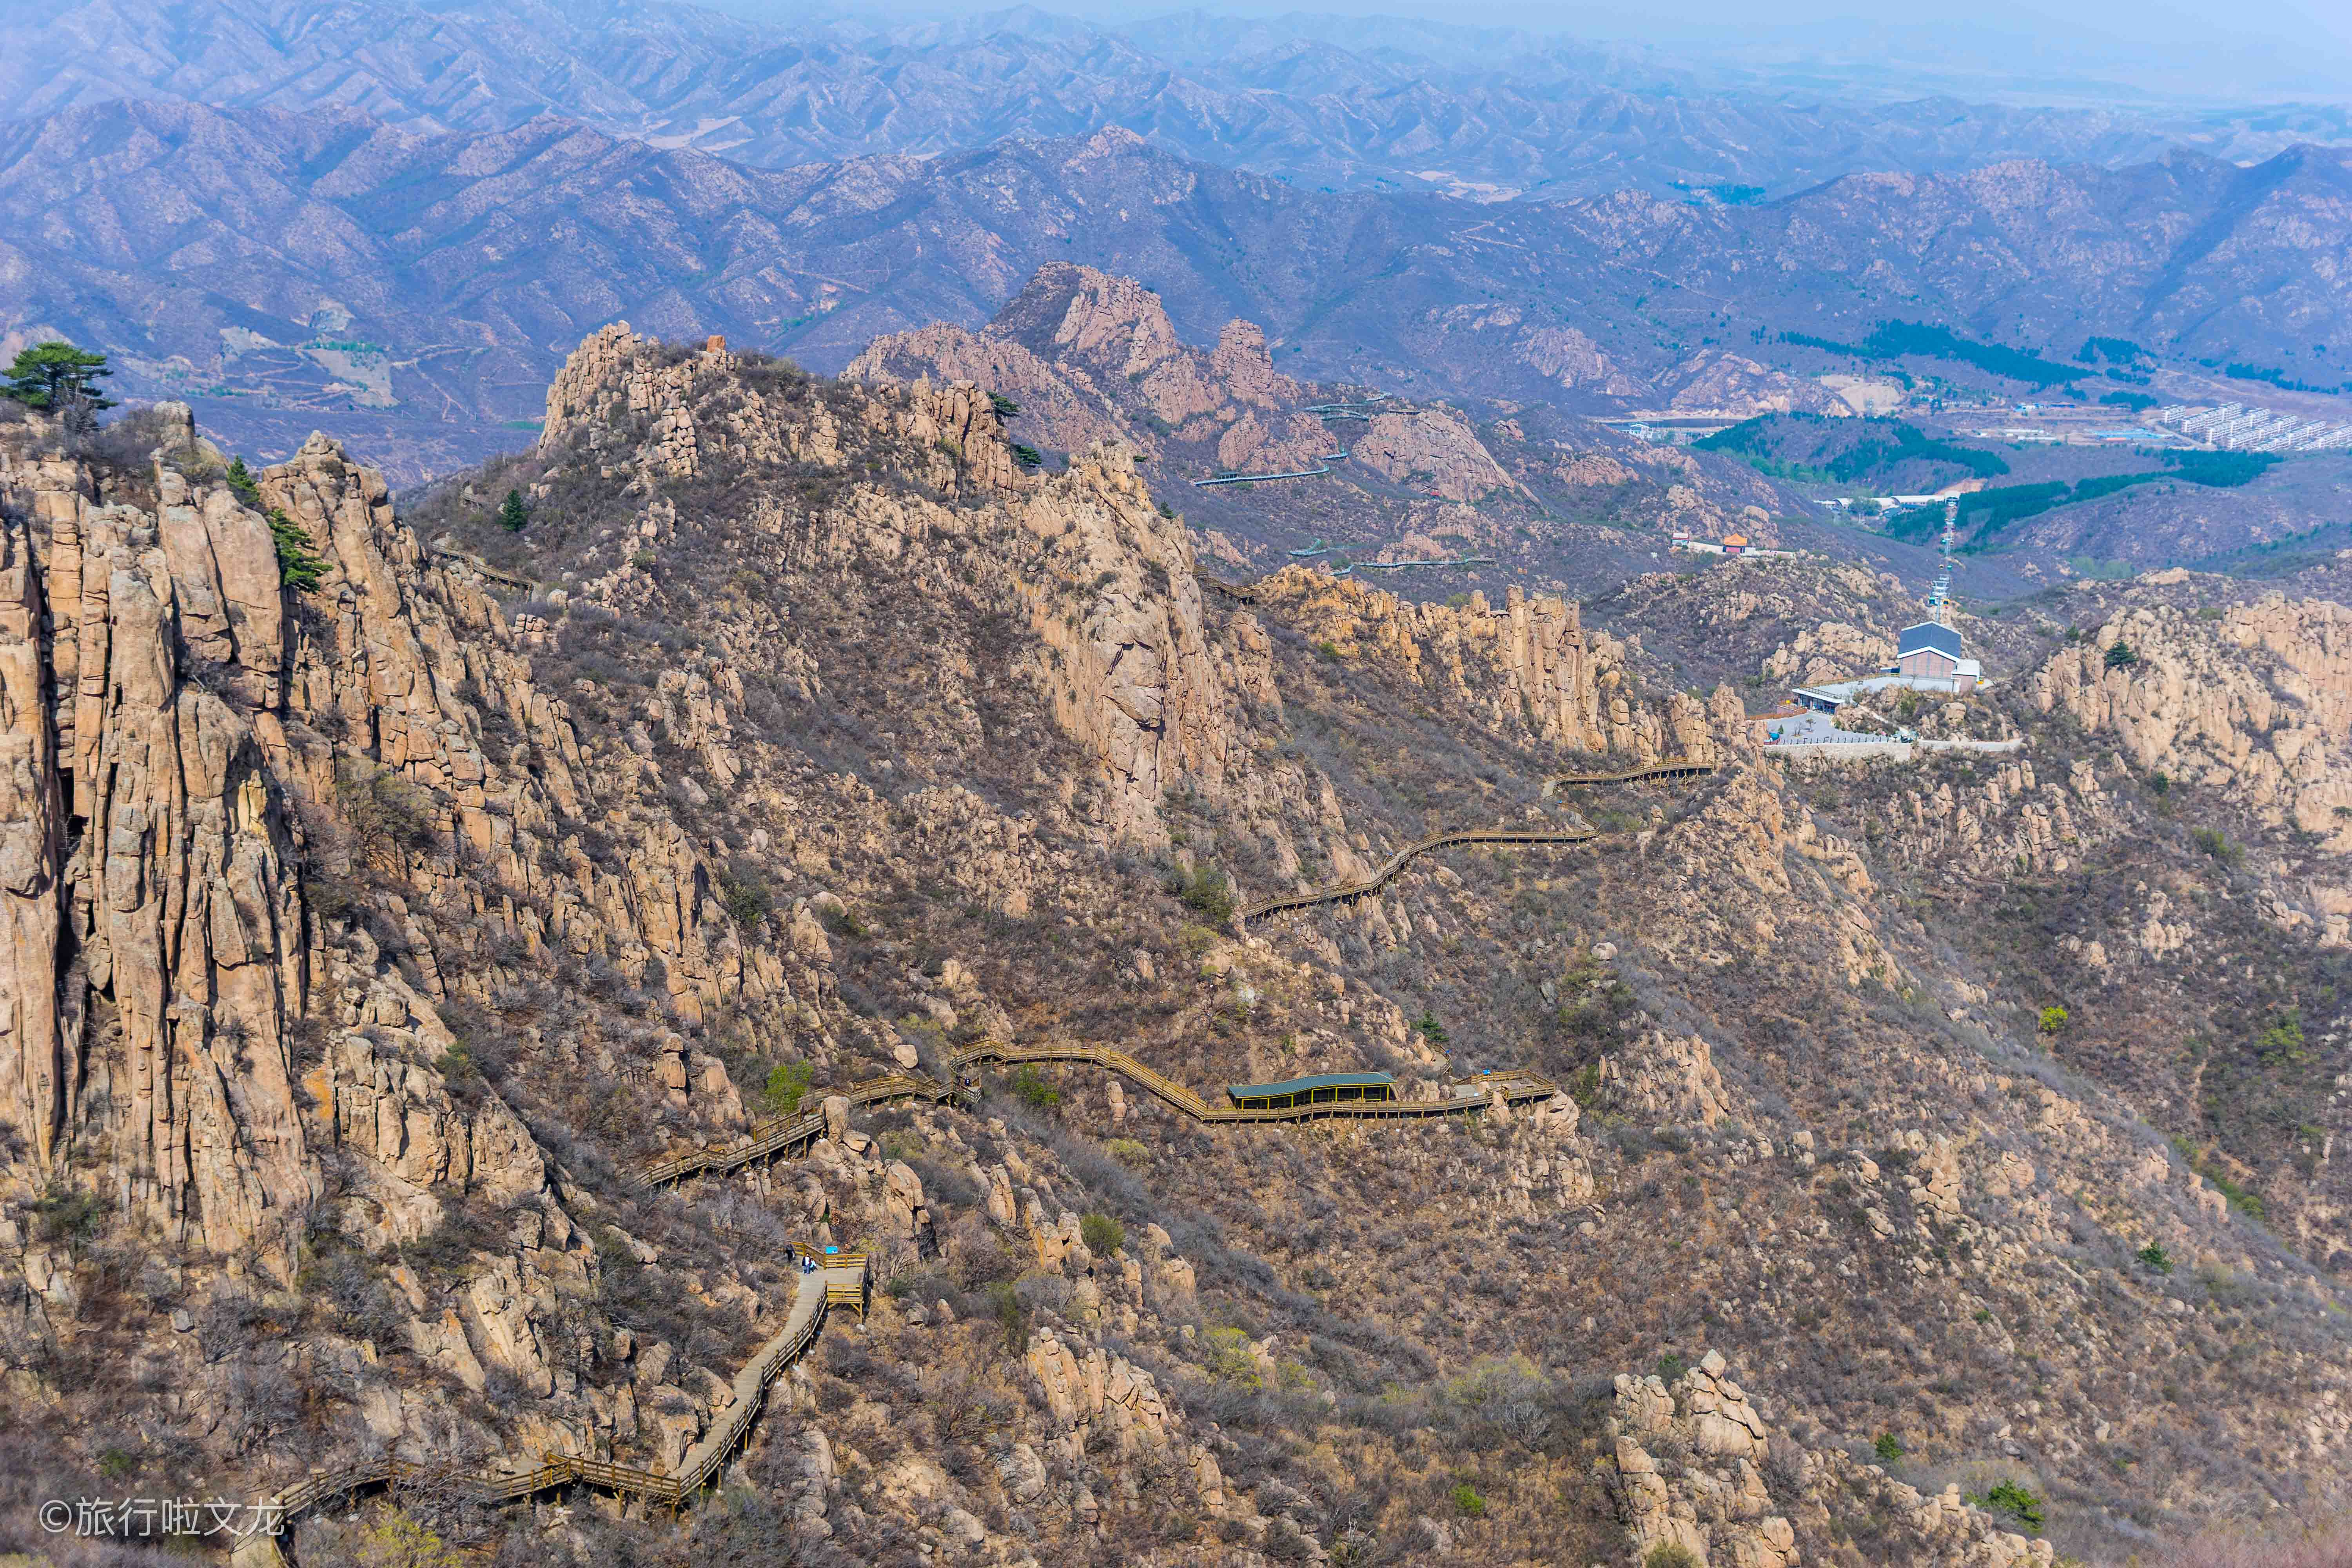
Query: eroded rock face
pixel 1092 357
pixel 1131 672
pixel 1089 1387
pixel 1669 1079
pixel 1137 683
pixel 1432 450
pixel 168 769
pixel 153 971
pixel 1831 650
pixel 1065 408
pixel 1528 665
pixel 2254 705
pixel 1721 382
pixel 39 1067
pixel 1563 355
pixel 632 396
pixel 1689 1470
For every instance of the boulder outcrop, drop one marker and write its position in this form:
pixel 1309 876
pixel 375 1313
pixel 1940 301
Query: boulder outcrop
pixel 2253 702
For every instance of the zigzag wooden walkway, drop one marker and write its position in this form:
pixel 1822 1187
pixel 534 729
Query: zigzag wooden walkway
pixel 838 1280
pixel 846 1280
pixel 1398 861
pixel 1676 768
pixel 785 1133
pixel 771 1138
pixel 1469 1094
pixel 1672 768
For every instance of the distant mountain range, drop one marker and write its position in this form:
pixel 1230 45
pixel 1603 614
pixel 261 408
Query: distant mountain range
pixel 329 260
pixel 1330 102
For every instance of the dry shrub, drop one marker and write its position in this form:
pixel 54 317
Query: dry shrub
pixel 2327 1544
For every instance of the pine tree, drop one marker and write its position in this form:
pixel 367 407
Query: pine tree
pixel 56 375
pixel 511 514
pixel 298 563
pixel 242 483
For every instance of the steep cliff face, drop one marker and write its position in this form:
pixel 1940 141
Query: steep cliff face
pixel 1433 451
pixel 1107 586
pixel 1135 679
pixel 259 859
pixel 2252 702
pixel 159 952
pixel 1526 667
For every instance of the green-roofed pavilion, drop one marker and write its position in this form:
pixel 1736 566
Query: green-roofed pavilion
pixel 1322 1088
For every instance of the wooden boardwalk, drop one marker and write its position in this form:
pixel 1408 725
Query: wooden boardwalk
pixel 1674 768
pixel 833 1280
pixel 1235 591
pixel 846 1280
pixel 1465 1095
pixel 827 1280
pixel 786 1134
pixel 1402 858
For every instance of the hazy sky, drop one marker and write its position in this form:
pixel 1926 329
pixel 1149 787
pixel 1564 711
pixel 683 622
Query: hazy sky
pixel 2217 51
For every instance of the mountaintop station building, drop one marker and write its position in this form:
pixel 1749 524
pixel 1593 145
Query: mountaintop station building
pixel 1932 651
pixel 1928 657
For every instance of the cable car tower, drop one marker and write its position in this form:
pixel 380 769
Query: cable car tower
pixel 1939 597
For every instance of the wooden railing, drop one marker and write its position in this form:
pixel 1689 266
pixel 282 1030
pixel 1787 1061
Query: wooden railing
pixel 1677 767
pixel 1506 1088
pixel 772 1138
pixel 1398 861
pixel 844 1279
pixel 1235 591
pixel 1118 1061
pixel 782 1133
pixel 496 575
pixel 840 1279
pixel 1672 768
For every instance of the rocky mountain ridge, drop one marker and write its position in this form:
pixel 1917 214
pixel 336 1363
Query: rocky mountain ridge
pixel 826 738
pixel 1082 356
pixel 1386 109
pixel 558 229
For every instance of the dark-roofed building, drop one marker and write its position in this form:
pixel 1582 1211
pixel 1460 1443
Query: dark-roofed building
pixel 1322 1088
pixel 1928 649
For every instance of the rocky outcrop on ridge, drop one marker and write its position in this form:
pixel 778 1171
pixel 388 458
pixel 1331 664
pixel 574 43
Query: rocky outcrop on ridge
pixel 2249 701
pixel 1716 382
pixel 1688 1470
pixel 151 900
pixel 1432 450
pixel 1526 665
pixel 801 736
pixel 1091 356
